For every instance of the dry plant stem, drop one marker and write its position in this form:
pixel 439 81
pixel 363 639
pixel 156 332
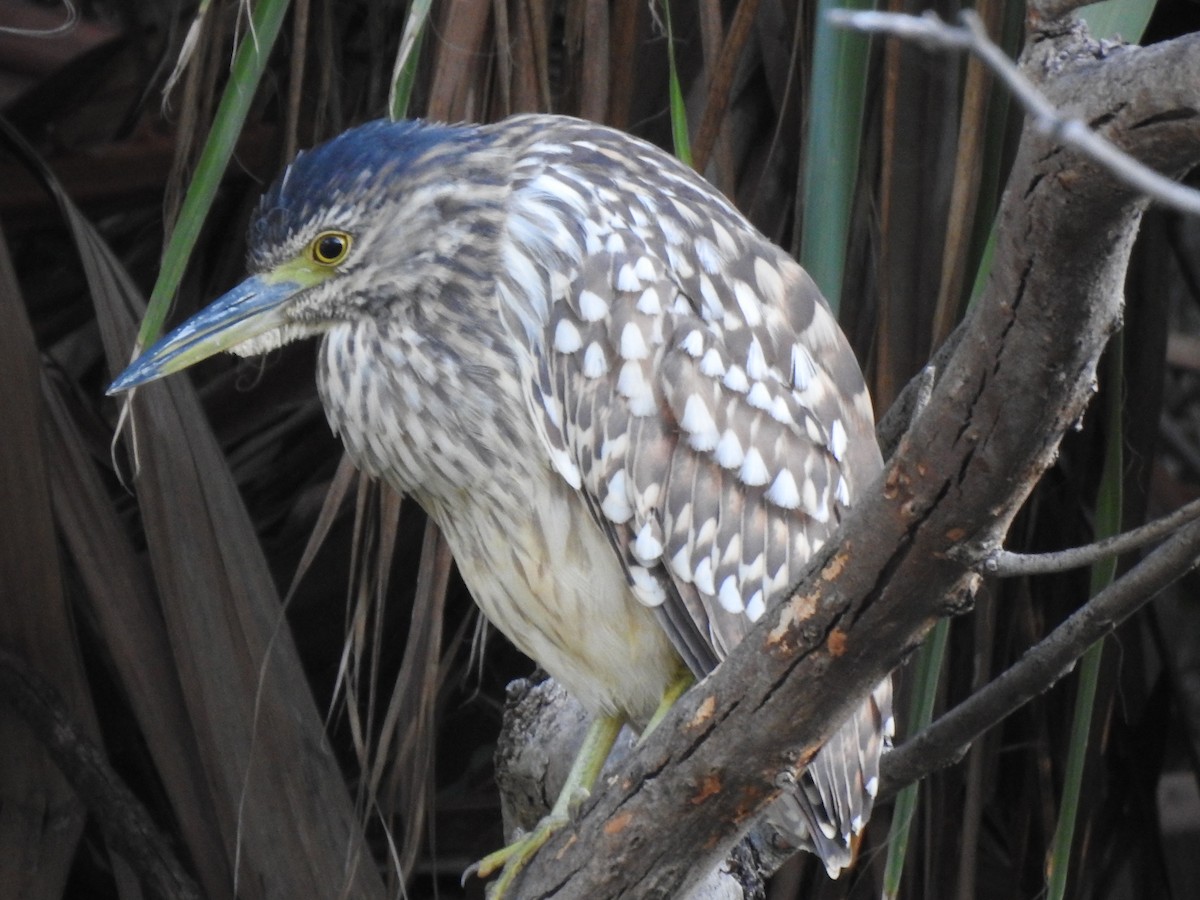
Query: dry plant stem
pixel 126 824
pixel 1006 564
pixel 720 86
pixel 945 741
pixel 992 426
pixel 931 31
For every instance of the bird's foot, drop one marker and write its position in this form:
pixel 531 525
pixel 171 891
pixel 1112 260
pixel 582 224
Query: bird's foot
pixel 584 771
pixel 510 860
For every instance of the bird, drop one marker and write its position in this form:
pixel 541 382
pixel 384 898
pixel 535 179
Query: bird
pixel 633 416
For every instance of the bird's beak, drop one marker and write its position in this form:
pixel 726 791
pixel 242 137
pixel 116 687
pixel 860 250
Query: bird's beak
pixel 250 309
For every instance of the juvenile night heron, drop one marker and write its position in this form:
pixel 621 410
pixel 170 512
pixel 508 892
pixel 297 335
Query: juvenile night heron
pixel 632 415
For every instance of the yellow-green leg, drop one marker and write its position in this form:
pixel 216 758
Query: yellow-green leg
pixel 684 680
pixel 589 762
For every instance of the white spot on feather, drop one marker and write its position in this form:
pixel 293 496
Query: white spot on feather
pixel 647 547
pixel 724 238
pixel 803 367
pixel 681 565
pixel 837 439
pixel 779 411
pixel 754 469
pixel 748 302
pixel 817 507
pixel 567 469
pixel 616 504
pixel 627 279
pixel 770 284
pixel 755 607
pixel 670 230
pixel 698 422
pixel 631 384
pixel 842 493
pixel 735 379
pixel 704 576
pixel 784 491
pixel 646 587
pixel 759 397
pixel 633 344
pixel 595 363
pixel 714 310
pixel 729 450
pixel 756 361
pixel 711 364
pixel 566 337
pixel 649 303
pixel 592 306
pixel 729 596
pixel 706 254
pixel 693 343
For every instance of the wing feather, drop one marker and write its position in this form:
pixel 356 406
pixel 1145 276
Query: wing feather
pixel 694 378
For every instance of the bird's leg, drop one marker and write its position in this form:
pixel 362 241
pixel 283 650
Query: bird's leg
pixel 684 680
pixel 589 761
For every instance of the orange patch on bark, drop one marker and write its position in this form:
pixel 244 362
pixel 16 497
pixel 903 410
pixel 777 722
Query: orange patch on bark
pixel 709 786
pixel 617 823
pixel 834 567
pixel 836 642
pixel 704 712
pixel 795 611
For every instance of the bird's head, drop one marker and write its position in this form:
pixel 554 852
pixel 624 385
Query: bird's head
pixel 349 226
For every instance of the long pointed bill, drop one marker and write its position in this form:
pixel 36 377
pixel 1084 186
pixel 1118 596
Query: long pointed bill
pixel 250 309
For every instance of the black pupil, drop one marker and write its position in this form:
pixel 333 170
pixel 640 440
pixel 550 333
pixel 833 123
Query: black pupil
pixel 330 247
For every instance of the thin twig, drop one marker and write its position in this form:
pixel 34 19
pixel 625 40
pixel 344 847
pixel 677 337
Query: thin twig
pixel 126 824
pixel 1006 564
pixel 931 32
pixel 945 741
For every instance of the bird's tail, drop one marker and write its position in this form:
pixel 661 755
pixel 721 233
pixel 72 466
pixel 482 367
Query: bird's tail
pixel 828 811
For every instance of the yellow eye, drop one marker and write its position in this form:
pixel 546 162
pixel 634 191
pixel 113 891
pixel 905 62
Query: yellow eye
pixel 329 248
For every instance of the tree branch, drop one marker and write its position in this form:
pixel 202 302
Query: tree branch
pixel 1006 564
pixel 931 32
pixel 126 825
pixel 944 742
pixel 993 424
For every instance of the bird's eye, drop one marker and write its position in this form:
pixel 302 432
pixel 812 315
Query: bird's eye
pixel 329 247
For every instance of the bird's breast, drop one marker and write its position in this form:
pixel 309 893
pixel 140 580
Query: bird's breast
pixel 544 573
pixel 448 434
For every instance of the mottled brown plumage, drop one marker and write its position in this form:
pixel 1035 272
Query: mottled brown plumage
pixel 634 416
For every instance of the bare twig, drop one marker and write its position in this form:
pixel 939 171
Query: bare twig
pixel 1006 564
pixel 126 824
pixel 945 741
pixel 931 32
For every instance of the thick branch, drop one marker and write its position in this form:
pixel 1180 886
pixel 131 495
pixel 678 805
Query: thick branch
pixel 992 426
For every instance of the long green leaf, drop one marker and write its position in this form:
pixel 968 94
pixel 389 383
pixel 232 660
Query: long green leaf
pixel 1108 522
pixel 1112 19
pixel 248 66
pixel 929 666
pixel 408 57
pixel 835 116
pixel 679 127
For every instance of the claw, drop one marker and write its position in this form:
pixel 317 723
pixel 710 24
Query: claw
pixel 584 772
pixel 513 858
